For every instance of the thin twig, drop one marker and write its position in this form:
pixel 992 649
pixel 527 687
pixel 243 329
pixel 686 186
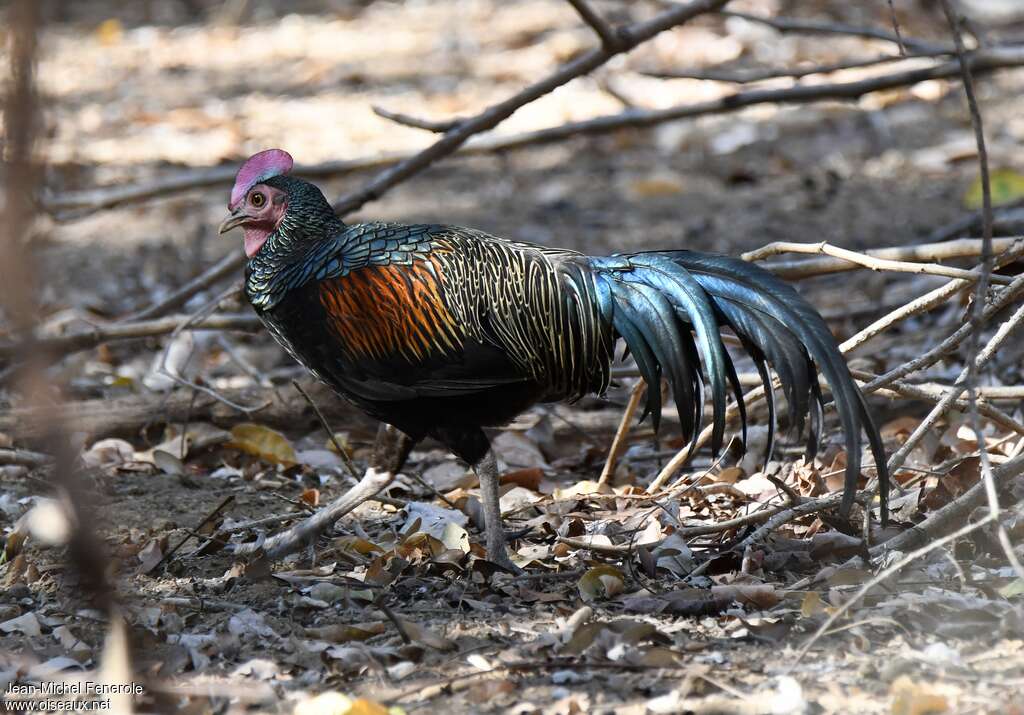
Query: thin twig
pixel 807 268
pixel 977 308
pixel 923 303
pixel 609 36
pixel 789 513
pixel 206 520
pixel 230 265
pixel 761 74
pixel 884 575
pixel 958 388
pixel 625 424
pixel 896 29
pixel 878 264
pixel 817 27
pixel 933 393
pixel 953 341
pixel 406 120
pixel 330 432
pixel 395 620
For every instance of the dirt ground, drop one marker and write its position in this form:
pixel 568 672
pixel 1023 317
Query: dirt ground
pixel 420 622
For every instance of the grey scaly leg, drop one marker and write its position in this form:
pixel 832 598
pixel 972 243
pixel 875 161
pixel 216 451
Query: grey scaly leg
pixel 487 472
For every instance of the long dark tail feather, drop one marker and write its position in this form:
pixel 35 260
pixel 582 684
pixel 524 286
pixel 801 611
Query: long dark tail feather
pixel 647 295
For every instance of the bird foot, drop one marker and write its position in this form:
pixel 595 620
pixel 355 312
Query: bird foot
pixel 505 562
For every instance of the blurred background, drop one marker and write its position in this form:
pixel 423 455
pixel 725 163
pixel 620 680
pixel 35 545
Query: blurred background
pixel 135 91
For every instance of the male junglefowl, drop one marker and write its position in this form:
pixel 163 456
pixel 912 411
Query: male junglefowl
pixel 441 331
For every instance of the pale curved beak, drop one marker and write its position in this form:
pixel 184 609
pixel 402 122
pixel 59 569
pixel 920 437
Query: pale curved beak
pixel 236 218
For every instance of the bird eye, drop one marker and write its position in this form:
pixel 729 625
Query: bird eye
pixel 257 199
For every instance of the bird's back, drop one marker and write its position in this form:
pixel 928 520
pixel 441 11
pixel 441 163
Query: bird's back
pixel 420 324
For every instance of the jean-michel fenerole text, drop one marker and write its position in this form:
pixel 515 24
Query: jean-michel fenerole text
pixel 80 687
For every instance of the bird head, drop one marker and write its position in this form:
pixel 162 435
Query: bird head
pixel 273 207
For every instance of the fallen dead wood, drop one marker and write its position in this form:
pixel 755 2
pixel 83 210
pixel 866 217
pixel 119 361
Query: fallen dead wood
pixel 85 339
pixel 284 408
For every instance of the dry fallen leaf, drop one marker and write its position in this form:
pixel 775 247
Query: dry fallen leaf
pixel 263 442
pixel 910 698
pixel 601 582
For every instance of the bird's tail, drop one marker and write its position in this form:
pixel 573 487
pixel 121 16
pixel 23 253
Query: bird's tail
pixel 669 306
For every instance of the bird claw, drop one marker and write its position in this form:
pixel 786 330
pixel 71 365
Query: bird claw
pixel 506 564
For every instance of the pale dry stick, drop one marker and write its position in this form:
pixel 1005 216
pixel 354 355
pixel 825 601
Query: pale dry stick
pixel 882 264
pixel 883 576
pixel 625 424
pixel 976 317
pixel 958 388
pixel 100 198
pixel 24 458
pixel 304 532
pixel 930 300
pixel 898 389
pixel 807 268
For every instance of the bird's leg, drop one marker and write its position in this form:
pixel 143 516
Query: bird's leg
pixel 390 452
pixel 487 472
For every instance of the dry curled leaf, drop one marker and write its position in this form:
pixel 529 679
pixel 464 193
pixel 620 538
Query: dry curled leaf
pixel 601 582
pixel 263 442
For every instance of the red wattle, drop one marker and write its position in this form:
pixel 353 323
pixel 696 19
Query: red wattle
pixel 254 240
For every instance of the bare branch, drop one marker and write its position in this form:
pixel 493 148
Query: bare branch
pixel 631 36
pixel 609 36
pixel 982 359
pixel 760 74
pixel 953 514
pixel 952 342
pixel 106 197
pixel 416 123
pixel 977 308
pixel 816 27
